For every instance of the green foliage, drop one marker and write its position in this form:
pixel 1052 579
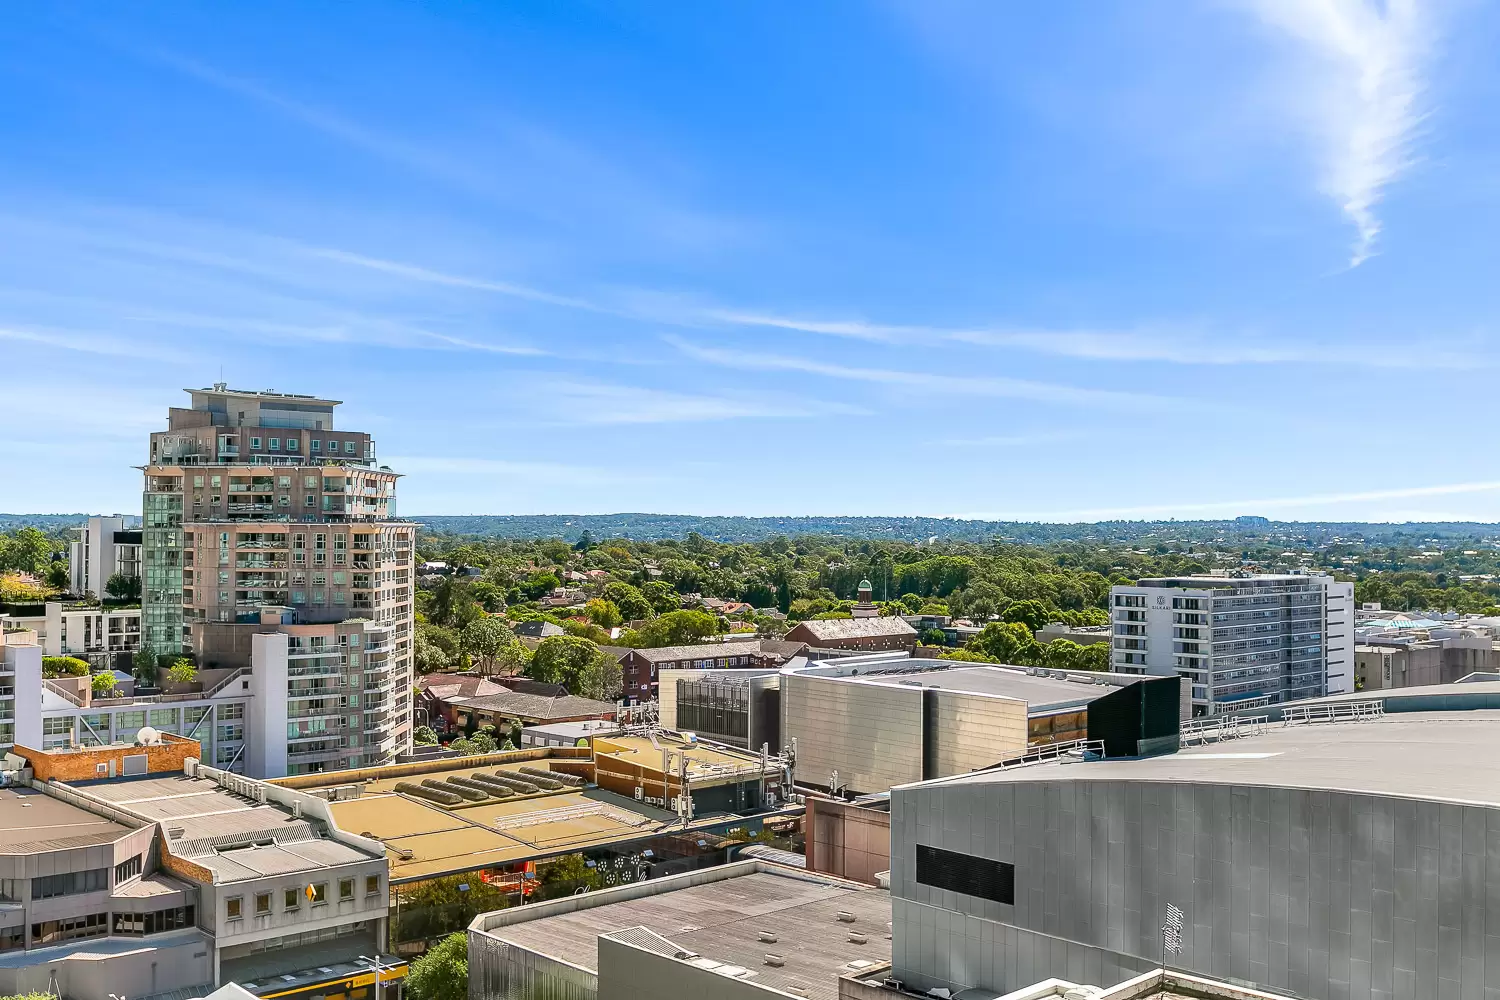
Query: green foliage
pixel 104 684
pixel 26 550
pixel 661 596
pixel 629 600
pixel 54 667
pixel 123 588
pixel 442 973
pixel 577 664
pixel 674 628
pixel 1007 642
pixel 934 637
pixel 436 648
pixel 145 665
pixel 58 577
pixel 492 646
pixel 566 875
pixel 423 736
pixel 831 616
pixel 1031 613
pixel 605 614
pixel 182 671
pixel 539 585
pixel 586 630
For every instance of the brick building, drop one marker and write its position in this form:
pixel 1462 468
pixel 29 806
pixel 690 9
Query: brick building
pixel 873 634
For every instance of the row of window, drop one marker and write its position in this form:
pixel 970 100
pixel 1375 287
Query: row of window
pixel 140 924
pixel 291 899
pixel 69 883
pixel 293 444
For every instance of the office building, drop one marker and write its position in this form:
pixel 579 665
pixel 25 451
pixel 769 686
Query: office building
pixel 105 546
pixel 865 724
pixel 131 869
pixel 1243 641
pixel 740 931
pixel 270 545
pixel 740 706
pixel 640 667
pixel 1331 860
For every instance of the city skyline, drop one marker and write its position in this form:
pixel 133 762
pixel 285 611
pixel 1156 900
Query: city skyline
pixel 602 260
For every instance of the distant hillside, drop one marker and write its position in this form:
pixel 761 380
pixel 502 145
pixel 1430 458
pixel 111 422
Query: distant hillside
pixel 655 527
pixel 49 522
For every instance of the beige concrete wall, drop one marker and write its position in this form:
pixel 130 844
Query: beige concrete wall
pixel 846 840
pixel 870 733
pixel 975 731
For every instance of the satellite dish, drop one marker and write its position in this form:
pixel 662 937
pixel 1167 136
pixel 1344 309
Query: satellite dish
pixel 147 737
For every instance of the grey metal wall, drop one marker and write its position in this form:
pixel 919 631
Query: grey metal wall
pixel 1326 894
pixel 871 734
pixel 502 971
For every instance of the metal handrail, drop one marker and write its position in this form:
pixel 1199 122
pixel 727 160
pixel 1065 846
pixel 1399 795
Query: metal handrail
pixel 1348 711
pixel 1051 751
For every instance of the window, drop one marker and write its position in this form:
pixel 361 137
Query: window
pixel 69 883
pixel 311 500
pixel 316 445
pixel 230 712
pixel 273 444
pixel 140 924
pixel 216 481
pixel 967 874
pixel 372 885
pixel 310 482
pixel 333 447
pixel 291 899
pixel 319 893
pixel 198 482
pixel 127 869
pixel 285 482
pixel 52 931
pixel 57 726
pixel 262 903
pixel 285 500
pixel 232 907
pixel 255 444
pixel 348 447
pixel 164 718
pixel 126 723
pixel 346 889
pixel 10 890
pixel 12 938
pixel 291 444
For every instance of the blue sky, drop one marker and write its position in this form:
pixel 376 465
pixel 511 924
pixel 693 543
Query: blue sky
pixel 1060 261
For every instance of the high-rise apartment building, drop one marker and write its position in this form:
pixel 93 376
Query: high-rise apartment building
pixel 1244 641
pixel 261 517
pixel 105 546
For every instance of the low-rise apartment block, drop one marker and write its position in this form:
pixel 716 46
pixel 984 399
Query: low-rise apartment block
pixel 106 636
pixel 105 546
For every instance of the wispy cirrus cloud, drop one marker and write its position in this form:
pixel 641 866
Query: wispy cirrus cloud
pixel 600 403
pixel 965 385
pixel 1359 89
pixel 429 276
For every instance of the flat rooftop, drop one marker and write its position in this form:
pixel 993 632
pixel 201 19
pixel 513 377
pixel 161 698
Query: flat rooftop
pixel 1043 691
pixel 703 761
pixel 722 921
pixel 424 839
pixel 1444 756
pixel 32 821
pixel 235 837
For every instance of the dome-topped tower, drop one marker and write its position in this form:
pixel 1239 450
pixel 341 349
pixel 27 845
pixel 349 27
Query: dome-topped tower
pixel 866 607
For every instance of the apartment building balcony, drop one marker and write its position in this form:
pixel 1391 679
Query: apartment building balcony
pixel 315 670
pixel 266 542
pixel 252 508
pixel 318 712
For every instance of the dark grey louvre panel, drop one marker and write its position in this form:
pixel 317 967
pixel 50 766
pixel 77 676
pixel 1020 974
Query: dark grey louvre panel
pixel 994 880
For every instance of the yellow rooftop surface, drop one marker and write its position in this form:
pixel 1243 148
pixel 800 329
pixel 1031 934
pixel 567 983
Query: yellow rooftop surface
pixel 703 760
pixel 425 839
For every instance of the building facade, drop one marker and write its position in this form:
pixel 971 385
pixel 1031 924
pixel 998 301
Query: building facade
pixel 260 518
pixel 1243 641
pixel 105 546
pixel 863 634
pixel 1331 861
pixel 20 688
pixel 104 635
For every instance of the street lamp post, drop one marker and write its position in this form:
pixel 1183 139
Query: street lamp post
pixel 375 967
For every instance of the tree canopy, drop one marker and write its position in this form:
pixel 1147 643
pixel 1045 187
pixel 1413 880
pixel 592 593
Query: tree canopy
pixel 442 973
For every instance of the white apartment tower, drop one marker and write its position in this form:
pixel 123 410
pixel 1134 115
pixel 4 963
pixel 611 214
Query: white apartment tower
pixel 260 518
pixel 105 546
pixel 1244 641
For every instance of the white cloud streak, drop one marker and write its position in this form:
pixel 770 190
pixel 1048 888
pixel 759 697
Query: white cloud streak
pixel 596 403
pixel 1361 95
pixel 964 385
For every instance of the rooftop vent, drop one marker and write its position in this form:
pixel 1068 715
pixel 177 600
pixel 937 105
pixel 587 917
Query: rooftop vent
pixel 767 937
pixel 846 917
pixel 684 955
pixel 776 961
pixel 855 937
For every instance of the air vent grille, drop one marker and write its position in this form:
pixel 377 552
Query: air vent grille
pixel 964 873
